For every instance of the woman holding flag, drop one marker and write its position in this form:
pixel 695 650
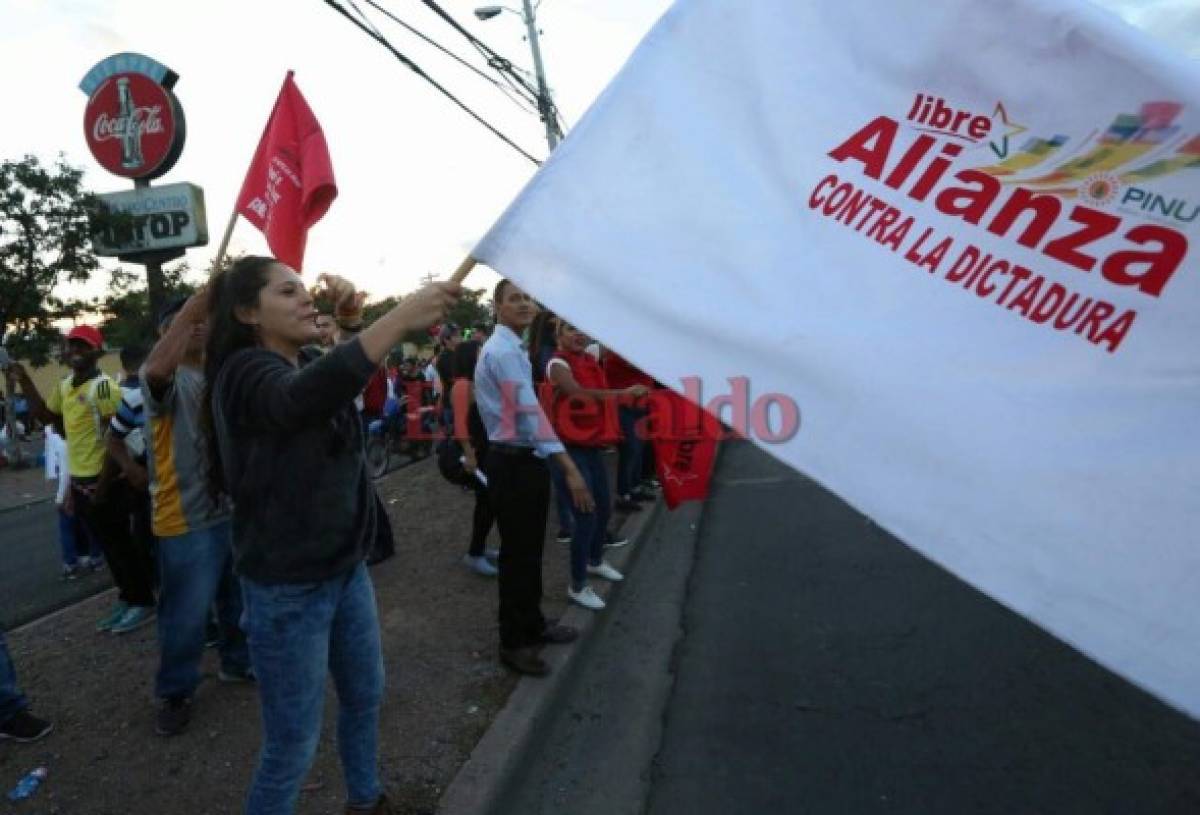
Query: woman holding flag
pixel 286 445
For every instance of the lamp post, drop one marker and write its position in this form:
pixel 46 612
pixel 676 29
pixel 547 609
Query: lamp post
pixel 545 103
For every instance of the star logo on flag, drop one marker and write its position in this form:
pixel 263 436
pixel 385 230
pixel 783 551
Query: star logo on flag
pixel 1010 129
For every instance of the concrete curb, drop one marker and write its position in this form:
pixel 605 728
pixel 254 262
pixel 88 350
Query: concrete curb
pixel 91 599
pixel 17 507
pixel 477 787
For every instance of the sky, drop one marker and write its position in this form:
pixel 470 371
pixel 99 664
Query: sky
pixel 419 182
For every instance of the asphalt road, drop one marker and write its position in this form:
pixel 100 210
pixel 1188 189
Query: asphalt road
pixel 30 565
pixel 820 666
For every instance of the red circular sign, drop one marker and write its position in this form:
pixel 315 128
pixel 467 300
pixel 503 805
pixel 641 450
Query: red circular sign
pixel 134 126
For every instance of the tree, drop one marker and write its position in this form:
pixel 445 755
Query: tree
pixel 128 317
pixel 44 241
pixel 468 312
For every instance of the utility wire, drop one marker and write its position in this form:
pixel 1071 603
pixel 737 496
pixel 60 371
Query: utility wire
pixel 450 54
pixel 417 70
pixel 494 60
pixel 501 64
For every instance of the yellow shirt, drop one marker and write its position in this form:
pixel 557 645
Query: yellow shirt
pixel 85 411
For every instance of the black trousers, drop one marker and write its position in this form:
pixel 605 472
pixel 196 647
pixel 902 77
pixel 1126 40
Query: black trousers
pixel 519 488
pixel 121 521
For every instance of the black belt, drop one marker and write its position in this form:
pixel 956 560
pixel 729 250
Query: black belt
pixel 510 449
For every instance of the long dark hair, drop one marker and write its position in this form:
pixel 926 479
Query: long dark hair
pixel 542 335
pixel 239 284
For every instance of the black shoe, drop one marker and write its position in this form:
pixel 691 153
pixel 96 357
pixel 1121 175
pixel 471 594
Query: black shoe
pixel 174 715
pixel 642 496
pixel 382 807
pixel 612 541
pixel 524 661
pixel 554 634
pixel 627 504
pixel 563 536
pixel 25 727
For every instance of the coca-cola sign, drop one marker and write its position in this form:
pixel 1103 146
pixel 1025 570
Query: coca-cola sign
pixel 133 125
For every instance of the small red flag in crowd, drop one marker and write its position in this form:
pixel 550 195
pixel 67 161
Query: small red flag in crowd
pixel 685 447
pixel 290 184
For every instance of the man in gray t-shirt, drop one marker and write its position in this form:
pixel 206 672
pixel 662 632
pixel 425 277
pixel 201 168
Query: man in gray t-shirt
pixel 195 552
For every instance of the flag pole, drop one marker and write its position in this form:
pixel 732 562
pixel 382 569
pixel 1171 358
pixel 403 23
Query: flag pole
pixel 225 242
pixel 464 269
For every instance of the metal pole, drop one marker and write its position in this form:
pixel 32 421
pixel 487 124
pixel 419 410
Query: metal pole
pixel 156 294
pixel 545 104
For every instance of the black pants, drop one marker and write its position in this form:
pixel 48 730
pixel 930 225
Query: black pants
pixel 120 520
pixel 519 487
pixel 649 462
pixel 484 517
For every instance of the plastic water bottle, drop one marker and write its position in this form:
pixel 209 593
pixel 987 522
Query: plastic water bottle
pixel 28 785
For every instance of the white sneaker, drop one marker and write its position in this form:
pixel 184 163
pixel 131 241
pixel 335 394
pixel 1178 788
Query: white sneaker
pixel 606 571
pixel 480 565
pixel 586 598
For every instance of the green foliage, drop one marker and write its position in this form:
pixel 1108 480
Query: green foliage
pixel 471 310
pixel 44 241
pixel 128 320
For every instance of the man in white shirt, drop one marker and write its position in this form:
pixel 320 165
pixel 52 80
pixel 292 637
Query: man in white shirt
pixel 519 442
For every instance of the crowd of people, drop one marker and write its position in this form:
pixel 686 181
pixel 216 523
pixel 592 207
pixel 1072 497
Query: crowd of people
pixel 172 478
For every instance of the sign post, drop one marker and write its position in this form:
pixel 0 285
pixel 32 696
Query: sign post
pixel 135 128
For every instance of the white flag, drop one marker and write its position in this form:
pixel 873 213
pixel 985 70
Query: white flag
pixel 961 235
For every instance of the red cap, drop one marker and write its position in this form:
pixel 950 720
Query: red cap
pixel 89 334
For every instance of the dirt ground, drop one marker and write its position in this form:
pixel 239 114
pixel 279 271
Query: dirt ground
pixel 444 686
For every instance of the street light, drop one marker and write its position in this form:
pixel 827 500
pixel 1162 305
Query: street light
pixel 545 103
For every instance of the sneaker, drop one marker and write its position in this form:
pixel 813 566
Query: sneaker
pixel 563 536
pixel 612 541
pixel 642 495
pixel 72 572
pixel 480 565
pixel 174 715
pixel 586 598
pixel 134 618
pixel 627 504
pixel 492 554
pixel 91 564
pixel 607 572
pixel 113 617
pixel 524 661
pixel 236 675
pixel 25 727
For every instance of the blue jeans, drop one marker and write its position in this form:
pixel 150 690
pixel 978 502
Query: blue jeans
pixel 299 634
pixel 68 528
pixel 12 701
pixel 587 541
pixel 196 570
pixel 562 497
pixel 629 452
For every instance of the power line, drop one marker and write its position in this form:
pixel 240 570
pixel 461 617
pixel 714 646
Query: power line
pixel 500 64
pixel 522 101
pixel 494 60
pixel 375 35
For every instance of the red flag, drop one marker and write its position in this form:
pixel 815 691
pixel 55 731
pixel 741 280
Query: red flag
pixel 685 446
pixel 290 184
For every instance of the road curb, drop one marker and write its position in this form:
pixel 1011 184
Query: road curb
pixel 54 615
pixel 26 505
pixel 480 782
